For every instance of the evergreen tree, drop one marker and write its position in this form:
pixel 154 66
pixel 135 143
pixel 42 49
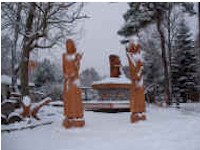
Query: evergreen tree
pixel 153 70
pixel 140 15
pixel 184 66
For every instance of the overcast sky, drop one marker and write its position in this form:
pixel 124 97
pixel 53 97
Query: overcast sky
pixel 98 37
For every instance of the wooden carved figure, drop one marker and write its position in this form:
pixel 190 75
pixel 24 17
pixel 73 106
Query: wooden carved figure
pixel 137 97
pixel 73 107
pixel 115 65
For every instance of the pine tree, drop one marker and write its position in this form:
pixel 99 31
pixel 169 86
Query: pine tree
pixel 184 66
pixel 140 15
pixel 153 70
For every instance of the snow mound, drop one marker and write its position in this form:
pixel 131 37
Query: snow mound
pixel 70 57
pixel 7 80
pixel 14 114
pixel 8 101
pixel 26 101
pixel 3 116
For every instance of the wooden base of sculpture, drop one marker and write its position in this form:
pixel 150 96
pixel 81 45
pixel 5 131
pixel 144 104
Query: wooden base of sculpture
pixel 68 123
pixel 135 117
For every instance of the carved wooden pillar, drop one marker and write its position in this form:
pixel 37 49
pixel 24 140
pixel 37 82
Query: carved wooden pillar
pixel 137 97
pixel 73 107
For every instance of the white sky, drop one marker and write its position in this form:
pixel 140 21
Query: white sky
pixel 98 37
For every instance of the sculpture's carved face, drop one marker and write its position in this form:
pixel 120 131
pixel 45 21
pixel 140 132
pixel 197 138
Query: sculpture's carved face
pixel 70 46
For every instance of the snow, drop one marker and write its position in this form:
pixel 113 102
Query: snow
pixel 134 40
pixel 131 59
pixel 121 80
pixel 107 102
pixel 140 83
pixel 140 71
pixel 3 116
pixel 8 101
pixel 5 79
pixel 26 101
pixel 56 103
pixel 191 107
pixel 45 100
pixel 14 114
pixel 16 66
pixel 77 83
pixel 137 57
pixel 164 129
pixel 8 80
pixel 70 57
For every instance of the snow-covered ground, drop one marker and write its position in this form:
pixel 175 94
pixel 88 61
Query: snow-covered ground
pixel 164 129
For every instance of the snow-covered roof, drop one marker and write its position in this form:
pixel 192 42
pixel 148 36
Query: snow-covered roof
pixel 120 80
pixel 5 79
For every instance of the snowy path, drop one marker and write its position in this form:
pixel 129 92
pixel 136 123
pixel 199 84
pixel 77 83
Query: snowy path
pixel 165 129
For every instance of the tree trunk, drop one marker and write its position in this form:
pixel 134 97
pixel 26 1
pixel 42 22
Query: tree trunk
pixel 24 72
pixel 199 26
pixel 170 50
pixel 14 49
pixel 162 42
pixel 27 41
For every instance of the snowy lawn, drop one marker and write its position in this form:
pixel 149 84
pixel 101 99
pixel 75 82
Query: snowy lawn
pixel 164 129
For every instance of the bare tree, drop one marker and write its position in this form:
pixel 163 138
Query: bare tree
pixel 5 55
pixel 39 25
pixel 170 22
pixel 89 75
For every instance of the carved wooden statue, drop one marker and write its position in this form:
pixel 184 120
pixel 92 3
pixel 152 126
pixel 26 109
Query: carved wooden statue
pixel 137 97
pixel 115 65
pixel 73 108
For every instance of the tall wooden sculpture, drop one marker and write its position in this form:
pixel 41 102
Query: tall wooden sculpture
pixel 73 107
pixel 137 97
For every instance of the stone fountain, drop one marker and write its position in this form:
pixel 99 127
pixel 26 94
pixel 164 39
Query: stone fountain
pixel 113 91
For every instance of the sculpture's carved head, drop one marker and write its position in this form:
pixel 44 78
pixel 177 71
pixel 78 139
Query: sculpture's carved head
pixel 70 46
pixel 134 45
pixel 134 48
pixel 115 65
